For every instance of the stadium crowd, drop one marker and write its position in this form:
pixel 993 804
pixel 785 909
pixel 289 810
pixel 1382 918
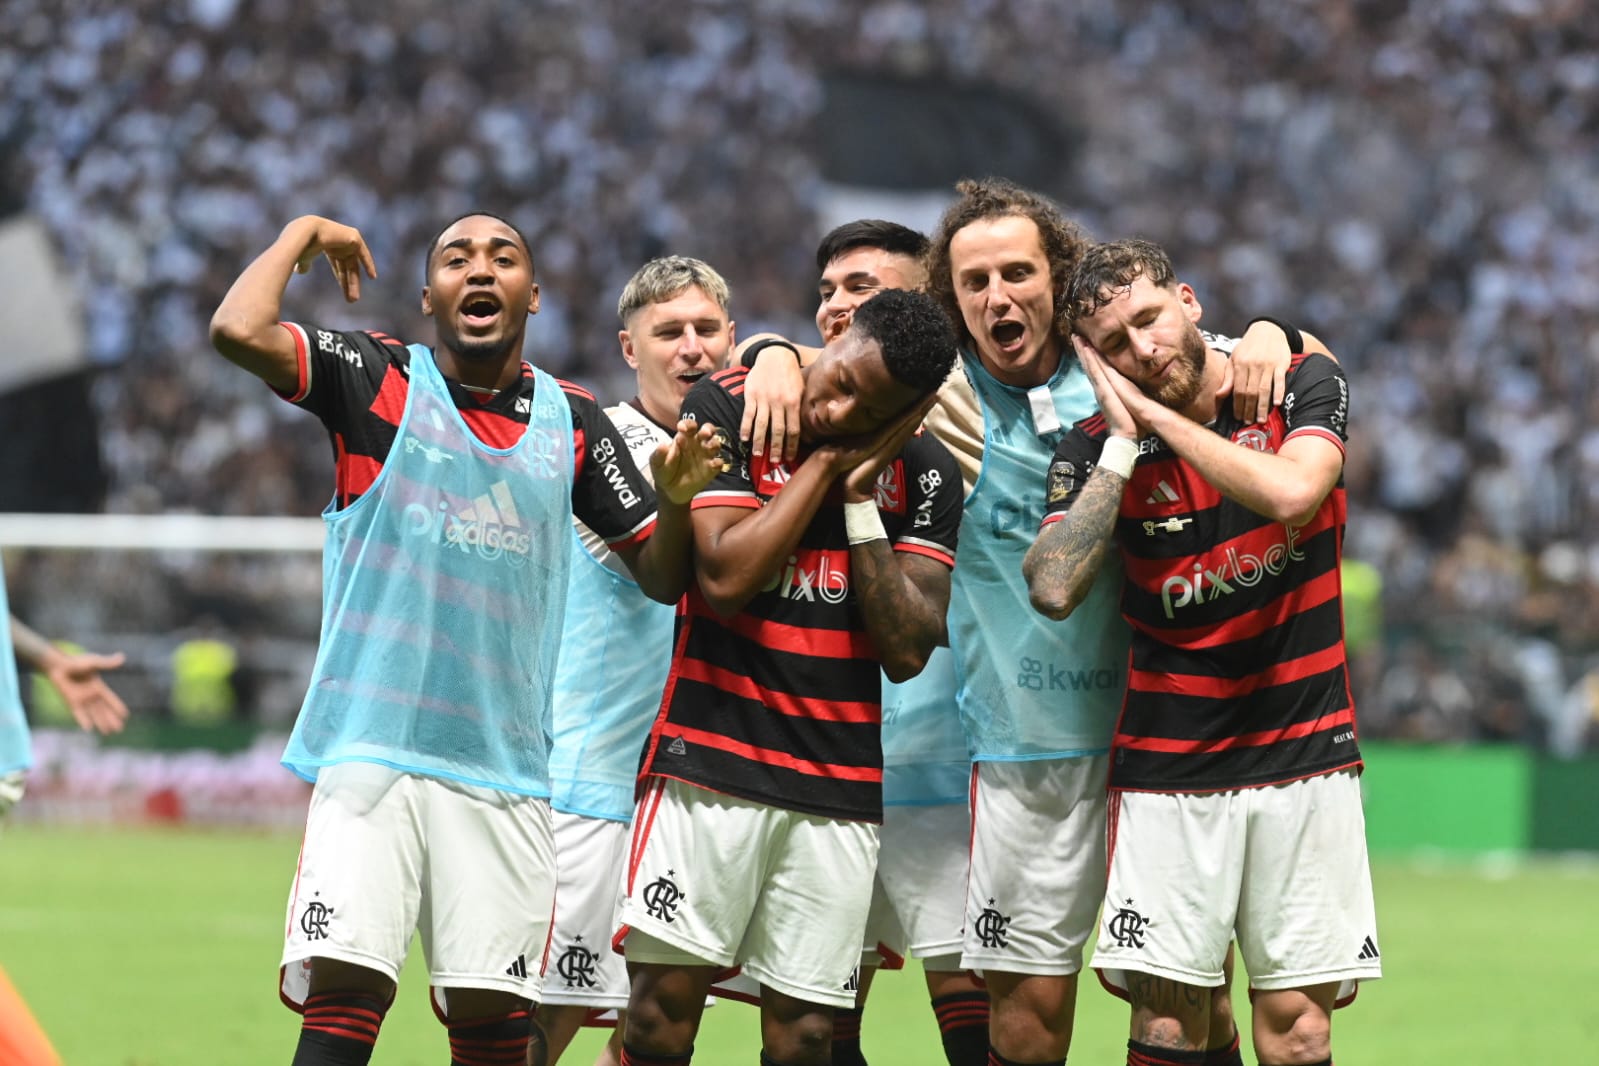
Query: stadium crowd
pixel 1417 182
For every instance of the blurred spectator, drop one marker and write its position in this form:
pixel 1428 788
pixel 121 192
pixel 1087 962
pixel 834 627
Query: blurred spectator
pixel 1422 176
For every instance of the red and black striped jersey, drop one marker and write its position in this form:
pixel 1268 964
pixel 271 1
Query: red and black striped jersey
pixel 782 703
pixel 1237 675
pixel 357 384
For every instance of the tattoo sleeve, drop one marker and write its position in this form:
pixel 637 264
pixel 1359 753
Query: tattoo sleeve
pixel 903 600
pixel 1061 565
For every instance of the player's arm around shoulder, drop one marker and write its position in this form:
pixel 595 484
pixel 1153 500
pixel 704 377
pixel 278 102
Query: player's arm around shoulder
pixel 772 391
pixel 1083 496
pixel 957 421
pixel 739 543
pixel 902 585
pixel 245 328
pixel 1289 485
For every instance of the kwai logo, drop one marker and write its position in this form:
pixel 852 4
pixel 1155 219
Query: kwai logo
pixel 605 457
pixel 1234 571
pixel 489 526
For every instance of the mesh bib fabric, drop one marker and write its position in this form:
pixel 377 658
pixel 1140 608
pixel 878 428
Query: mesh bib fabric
pixel 1030 688
pixel 444 594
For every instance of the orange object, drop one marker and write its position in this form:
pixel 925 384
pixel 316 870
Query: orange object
pixel 22 1042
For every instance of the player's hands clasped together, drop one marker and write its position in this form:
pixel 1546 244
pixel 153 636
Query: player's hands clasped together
pixel 1120 401
pixel 860 460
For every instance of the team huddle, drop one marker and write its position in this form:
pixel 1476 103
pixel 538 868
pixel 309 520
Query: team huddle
pixel 1009 607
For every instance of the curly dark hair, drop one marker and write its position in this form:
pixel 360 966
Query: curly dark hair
pixel 1109 269
pixel 914 334
pixel 433 245
pixel 870 233
pixel 991 198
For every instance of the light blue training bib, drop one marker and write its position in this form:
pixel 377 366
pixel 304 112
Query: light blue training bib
pixel 444 593
pixel 16 751
pixel 1029 687
pixel 925 761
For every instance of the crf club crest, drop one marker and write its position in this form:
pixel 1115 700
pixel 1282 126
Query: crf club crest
pixel 662 897
pixel 576 965
pixel 314 920
pixel 889 491
pixel 992 927
pixel 1253 437
pixel 1127 927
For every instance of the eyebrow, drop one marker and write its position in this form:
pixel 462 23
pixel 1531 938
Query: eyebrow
pixel 854 275
pixel 700 323
pixel 495 243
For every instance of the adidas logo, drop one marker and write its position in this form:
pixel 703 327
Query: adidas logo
pixel 517 968
pixel 494 506
pixel 677 747
pixel 1368 951
pixel 489 525
pixel 1163 493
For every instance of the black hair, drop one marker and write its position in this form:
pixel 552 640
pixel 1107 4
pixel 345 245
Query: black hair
pixel 433 245
pixel 914 334
pixel 870 233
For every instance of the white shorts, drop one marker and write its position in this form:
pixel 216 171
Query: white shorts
pixel 919 893
pixel 387 854
pixel 1038 864
pixel 715 880
pixel 591 861
pixel 1282 868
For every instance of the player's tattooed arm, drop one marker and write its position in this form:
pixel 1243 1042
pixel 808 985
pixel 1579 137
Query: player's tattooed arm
pixel 903 598
pixel 1061 565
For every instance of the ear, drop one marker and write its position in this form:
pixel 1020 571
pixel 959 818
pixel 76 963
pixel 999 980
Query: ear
pixel 626 339
pixel 533 300
pixel 732 336
pixel 427 301
pixel 1190 301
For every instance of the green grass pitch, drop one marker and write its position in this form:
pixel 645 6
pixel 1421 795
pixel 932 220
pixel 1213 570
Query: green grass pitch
pixel 138 947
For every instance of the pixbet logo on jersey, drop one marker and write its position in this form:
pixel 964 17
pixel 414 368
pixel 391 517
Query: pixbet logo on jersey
pixel 811 576
pixel 1235 570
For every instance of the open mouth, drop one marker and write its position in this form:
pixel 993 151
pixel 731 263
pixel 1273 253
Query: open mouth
pixel 689 377
pixel 1007 333
pixel 480 309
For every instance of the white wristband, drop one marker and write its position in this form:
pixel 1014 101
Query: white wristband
pixel 862 522
pixel 1118 456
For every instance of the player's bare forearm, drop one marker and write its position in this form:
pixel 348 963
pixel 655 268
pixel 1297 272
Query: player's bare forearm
pixel 1286 487
pixel 1063 562
pixel 904 599
pixel 76 677
pixel 664 565
pixel 737 551
pixel 245 326
pixel 34 651
pixel 1315 344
